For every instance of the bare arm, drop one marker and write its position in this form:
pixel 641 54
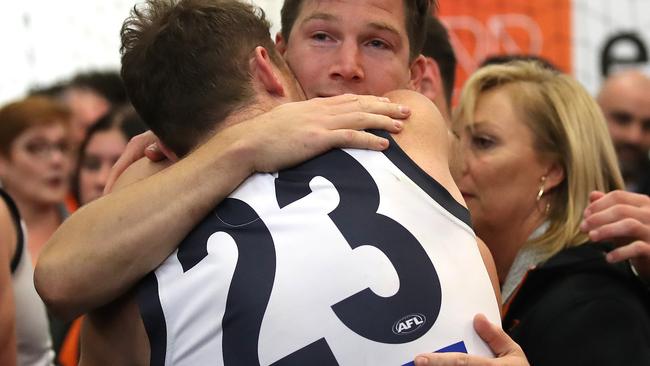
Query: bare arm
pixel 117 239
pixel 7 307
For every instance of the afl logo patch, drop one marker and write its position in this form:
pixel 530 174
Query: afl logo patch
pixel 409 324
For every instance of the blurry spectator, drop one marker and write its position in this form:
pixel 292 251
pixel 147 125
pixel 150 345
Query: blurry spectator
pixel 503 59
pixel 625 100
pixel 35 164
pixel 34 169
pixel 438 80
pixel 103 145
pixel 24 337
pixel 54 90
pixel 90 96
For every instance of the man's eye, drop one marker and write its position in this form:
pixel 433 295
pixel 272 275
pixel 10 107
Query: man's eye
pixel 320 37
pixel 645 125
pixel 621 118
pixel 376 43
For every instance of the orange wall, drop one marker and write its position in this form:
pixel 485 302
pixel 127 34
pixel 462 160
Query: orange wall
pixel 480 28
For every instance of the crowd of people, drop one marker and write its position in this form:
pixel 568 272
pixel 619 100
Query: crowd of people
pixel 318 200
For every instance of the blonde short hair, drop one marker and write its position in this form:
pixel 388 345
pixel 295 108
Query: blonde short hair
pixel 567 127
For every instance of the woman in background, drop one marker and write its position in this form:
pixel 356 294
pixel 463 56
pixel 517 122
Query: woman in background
pixel 35 164
pixel 535 144
pixel 104 143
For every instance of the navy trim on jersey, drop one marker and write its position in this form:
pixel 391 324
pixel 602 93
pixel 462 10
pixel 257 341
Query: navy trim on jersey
pixel 19 230
pixel 153 318
pixel 434 189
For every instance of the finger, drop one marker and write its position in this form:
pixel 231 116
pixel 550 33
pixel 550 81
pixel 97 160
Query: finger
pixel 617 197
pixel 449 359
pixel 498 341
pixel 595 195
pixel 613 214
pixel 622 229
pixel 356 140
pixel 364 121
pixel 370 104
pixel 154 153
pixel 637 249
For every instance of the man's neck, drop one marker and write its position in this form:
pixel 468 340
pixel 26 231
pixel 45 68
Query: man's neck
pixel 248 112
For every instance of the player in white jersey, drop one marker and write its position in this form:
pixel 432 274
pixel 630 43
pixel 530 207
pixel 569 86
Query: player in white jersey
pixel 354 257
pixel 396 280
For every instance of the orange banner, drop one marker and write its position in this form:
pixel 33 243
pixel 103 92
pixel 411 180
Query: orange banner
pixel 482 28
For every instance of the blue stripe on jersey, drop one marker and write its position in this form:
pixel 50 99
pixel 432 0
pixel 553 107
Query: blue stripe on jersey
pixel 153 318
pixel 456 347
pixel 434 189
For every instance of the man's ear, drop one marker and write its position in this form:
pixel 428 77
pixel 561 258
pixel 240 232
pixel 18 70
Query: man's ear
pixel 418 68
pixel 264 73
pixel 431 83
pixel 280 43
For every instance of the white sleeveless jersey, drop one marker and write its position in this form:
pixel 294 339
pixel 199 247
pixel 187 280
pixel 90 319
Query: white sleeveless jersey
pixel 353 258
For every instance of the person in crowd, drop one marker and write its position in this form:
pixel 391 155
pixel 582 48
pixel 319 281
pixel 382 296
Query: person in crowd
pixel 625 101
pixel 535 144
pixel 24 336
pixel 90 95
pixel 35 167
pixel 103 145
pixel 35 164
pixel 438 80
pixel 500 59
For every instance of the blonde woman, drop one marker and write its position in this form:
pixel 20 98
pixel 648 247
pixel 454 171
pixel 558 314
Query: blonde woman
pixel 534 145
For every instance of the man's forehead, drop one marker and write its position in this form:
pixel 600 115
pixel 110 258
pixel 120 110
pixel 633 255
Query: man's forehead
pixel 391 12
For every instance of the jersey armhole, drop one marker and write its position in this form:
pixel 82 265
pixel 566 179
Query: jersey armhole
pixel 428 184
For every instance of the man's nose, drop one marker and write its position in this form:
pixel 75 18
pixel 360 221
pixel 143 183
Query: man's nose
pixel 348 65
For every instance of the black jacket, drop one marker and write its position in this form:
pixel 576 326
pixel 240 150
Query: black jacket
pixel 576 309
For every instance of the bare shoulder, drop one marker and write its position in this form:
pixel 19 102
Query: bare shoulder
pixel 138 171
pixel 425 138
pixel 7 230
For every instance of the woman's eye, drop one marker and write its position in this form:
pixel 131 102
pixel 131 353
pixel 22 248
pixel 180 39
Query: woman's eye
pixel 482 142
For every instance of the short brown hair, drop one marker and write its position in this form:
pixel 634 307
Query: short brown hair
pixel 416 14
pixel 185 64
pixel 17 117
